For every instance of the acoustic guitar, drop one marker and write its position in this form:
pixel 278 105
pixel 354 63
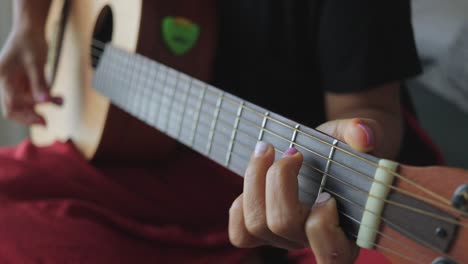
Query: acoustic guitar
pixel 111 82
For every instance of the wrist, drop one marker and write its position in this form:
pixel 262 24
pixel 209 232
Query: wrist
pixel 29 17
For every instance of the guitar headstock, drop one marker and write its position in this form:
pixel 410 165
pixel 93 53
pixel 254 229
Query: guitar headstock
pixel 433 218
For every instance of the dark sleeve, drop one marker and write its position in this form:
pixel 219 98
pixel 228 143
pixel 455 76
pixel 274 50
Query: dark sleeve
pixel 364 43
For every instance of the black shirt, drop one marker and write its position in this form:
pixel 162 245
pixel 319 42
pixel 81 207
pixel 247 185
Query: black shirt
pixel 283 55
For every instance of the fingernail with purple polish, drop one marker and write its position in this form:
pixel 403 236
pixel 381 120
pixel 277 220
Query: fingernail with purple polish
pixel 369 134
pixel 42 97
pixel 290 152
pixel 322 198
pixel 260 148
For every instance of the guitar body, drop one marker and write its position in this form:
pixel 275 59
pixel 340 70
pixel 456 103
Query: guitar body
pixel 100 130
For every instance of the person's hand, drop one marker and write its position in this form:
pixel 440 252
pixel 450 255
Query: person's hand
pixel 268 212
pixel 22 81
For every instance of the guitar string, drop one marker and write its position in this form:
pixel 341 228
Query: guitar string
pixel 423 212
pixel 394 252
pixel 202 123
pixel 101 45
pixel 445 201
pixel 241 156
pixel 393 241
pixel 356 172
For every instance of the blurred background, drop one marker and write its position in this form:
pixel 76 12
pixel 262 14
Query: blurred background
pixel 10 133
pixel 440 94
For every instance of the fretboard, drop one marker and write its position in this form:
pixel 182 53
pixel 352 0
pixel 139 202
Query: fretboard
pixel 225 128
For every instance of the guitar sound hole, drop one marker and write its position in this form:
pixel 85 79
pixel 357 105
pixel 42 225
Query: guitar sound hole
pixel 102 34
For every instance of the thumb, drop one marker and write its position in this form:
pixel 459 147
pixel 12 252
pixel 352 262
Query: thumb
pixel 326 238
pixel 360 133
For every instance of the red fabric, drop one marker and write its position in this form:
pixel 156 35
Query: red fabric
pixel 57 208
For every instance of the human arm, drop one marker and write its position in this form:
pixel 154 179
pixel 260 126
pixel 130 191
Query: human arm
pixel 377 108
pixel 22 81
pixel 365 52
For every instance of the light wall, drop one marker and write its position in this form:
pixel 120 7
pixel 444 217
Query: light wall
pixel 10 132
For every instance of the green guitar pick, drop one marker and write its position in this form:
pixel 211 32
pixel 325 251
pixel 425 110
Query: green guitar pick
pixel 179 34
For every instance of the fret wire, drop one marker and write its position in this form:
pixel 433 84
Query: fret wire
pixel 234 132
pixel 266 116
pixel 213 124
pixel 327 166
pixel 100 81
pixel 119 67
pixel 125 69
pixel 260 135
pixel 146 90
pixel 365 160
pixel 131 83
pixel 195 124
pixel 134 77
pixel 246 147
pixel 293 138
pixel 184 107
pixel 263 129
pixel 341 181
pixel 161 96
pixel 139 111
pixel 171 102
pixel 154 94
pixel 339 149
pixel 136 88
pixel 360 207
pixel 277 121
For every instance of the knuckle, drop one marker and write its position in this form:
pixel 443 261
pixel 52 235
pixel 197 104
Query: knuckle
pixel 239 239
pixel 250 171
pixel 276 169
pixel 281 170
pixel 257 226
pixel 315 224
pixel 282 226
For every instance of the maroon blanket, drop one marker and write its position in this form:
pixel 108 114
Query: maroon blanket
pixel 57 208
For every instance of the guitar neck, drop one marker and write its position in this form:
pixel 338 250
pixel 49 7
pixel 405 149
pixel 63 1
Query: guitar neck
pixel 226 128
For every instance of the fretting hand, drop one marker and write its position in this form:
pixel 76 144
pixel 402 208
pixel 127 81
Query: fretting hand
pixel 269 212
